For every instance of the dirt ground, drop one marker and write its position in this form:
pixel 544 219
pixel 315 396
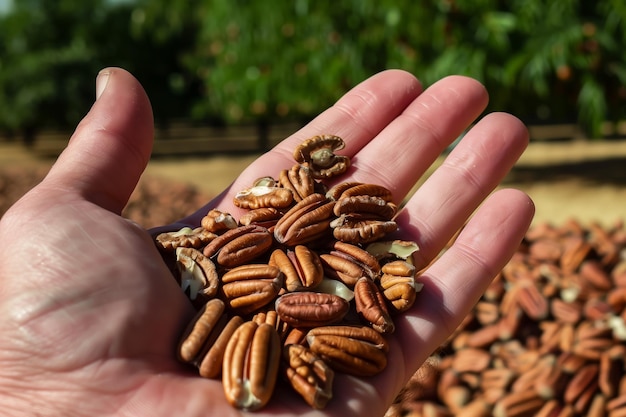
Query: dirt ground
pixel 584 180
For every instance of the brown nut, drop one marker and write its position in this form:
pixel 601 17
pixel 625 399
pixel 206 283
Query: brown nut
pixel 352 189
pixel 311 309
pixel 305 222
pixel 371 306
pixel 210 365
pixel 369 205
pixel 398 285
pixel 298 180
pixel 318 151
pixel 309 375
pixel 248 288
pixel 197 273
pixel 185 237
pixel 354 350
pixel 217 221
pixel 261 196
pixel 251 364
pixel 301 266
pixel 266 217
pixel 362 258
pixel 198 331
pixel 386 251
pixel 239 246
pixel 357 229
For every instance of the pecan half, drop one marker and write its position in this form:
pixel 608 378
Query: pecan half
pixel 391 250
pixel 247 288
pixel 263 196
pixel 371 306
pixel 266 217
pixel 199 329
pixel 318 151
pixel 197 273
pixel 299 180
pixel 358 229
pixel 398 285
pixel 369 205
pixel 251 364
pixel 311 309
pixel 305 222
pixel 352 189
pixel 301 266
pixel 354 350
pixel 239 246
pixel 217 221
pixel 309 375
pixel 185 237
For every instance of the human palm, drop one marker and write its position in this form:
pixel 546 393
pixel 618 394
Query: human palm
pixel 90 315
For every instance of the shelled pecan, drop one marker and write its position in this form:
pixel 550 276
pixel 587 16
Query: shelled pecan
pixel 293 275
pixel 551 329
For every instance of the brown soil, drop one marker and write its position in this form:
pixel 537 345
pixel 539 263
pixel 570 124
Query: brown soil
pixel 584 180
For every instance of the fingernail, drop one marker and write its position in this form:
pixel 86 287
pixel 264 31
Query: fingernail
pixel 101 82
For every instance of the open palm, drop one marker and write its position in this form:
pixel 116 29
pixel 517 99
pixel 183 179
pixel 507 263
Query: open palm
pixel 90 315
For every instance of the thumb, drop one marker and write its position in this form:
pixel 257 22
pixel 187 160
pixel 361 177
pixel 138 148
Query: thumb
pixel 111 146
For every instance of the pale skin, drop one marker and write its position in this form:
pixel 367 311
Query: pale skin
pixel 90 316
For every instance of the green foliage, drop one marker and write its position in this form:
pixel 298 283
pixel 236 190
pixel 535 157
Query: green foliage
pixel 242 61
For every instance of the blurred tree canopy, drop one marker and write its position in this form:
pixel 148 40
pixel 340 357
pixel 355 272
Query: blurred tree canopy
pixel 218 61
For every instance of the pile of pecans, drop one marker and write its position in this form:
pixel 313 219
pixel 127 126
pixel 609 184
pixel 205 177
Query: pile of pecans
pixel 547 338
pixel 301 286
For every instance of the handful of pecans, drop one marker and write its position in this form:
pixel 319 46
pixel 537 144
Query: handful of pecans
pixel 301 286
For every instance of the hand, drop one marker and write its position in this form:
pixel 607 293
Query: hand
pixel 90 315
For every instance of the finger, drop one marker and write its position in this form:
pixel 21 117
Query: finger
pixel 456 280
pixel 410 144
pixel 111 146
pixel 472 170
pixel 357 117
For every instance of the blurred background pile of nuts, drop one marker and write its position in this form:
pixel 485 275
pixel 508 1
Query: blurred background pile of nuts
pixel 548 338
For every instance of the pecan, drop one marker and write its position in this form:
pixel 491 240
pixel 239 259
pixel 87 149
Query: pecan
pixel 398 285
pixel 392 250
pixel 261 196
pixel 301 266
pixel 367 205
pixel 318 151
pixel 305 222
pixel 575 250
pixel 471 360
pixel 211 364
pixel 353 189
pixel 612 363
pixel 584 378
pixel 359 229
pixel 199 330
pixel 185 237
pixel 371 306
pixel 247 288
pixel 310 309
pixel 251 364
pixel 266 217
pixel 518 404
pixel 347 263
pixel 239 246
pixel 309 375
pixel 336 191
pixel 531 300
pixel 217 221
pixel 298 180
pixel 354 350
pixel 197 273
